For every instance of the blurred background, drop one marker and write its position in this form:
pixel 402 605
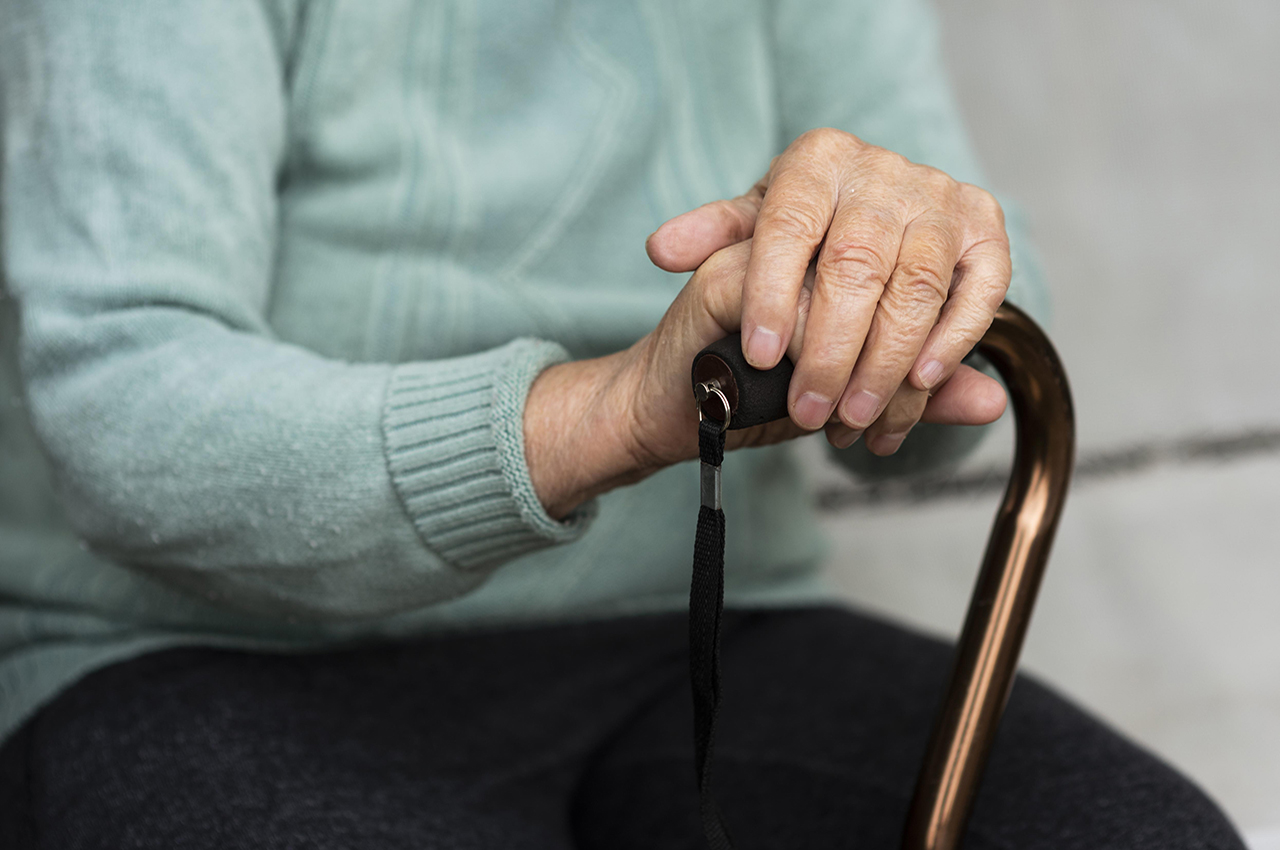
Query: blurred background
pixel 1141 139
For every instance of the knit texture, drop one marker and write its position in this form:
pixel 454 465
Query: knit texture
pixel 278 276
pixel 455 449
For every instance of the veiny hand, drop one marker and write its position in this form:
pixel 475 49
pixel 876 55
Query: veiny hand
pixel 593 425
pixel 910 269
pixel 653 382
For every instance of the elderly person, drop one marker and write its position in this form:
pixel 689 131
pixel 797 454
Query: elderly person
pixel 342 492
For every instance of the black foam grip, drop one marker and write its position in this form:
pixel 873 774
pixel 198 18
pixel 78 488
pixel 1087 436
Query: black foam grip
pixel 762 395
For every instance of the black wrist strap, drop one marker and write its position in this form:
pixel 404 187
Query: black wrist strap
pixel 706 607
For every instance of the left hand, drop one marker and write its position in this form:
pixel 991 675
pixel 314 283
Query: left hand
pixel 911 266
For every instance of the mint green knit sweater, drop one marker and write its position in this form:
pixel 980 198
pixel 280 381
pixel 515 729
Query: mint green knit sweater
pixel 278 275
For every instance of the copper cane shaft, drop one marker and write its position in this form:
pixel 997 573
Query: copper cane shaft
pixel 1000 610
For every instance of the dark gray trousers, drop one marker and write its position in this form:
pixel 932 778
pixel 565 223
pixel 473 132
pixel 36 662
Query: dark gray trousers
pixel 560 737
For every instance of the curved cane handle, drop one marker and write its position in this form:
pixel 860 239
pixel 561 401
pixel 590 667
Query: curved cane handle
pixel 1000 609
pixel 1017 551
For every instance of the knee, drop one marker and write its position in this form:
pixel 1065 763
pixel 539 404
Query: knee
pixel 1060 778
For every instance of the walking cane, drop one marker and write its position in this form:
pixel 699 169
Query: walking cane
pixel 731 394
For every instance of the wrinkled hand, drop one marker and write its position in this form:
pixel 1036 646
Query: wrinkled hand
pixel 875 275
pixel 652 385
pixel 906 268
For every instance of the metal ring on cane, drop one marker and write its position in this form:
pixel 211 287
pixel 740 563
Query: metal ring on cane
pixel 703 392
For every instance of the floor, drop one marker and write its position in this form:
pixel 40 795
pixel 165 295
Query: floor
pixel 1139 137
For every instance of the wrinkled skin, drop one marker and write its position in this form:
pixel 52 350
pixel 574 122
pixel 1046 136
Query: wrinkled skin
pixel 874 274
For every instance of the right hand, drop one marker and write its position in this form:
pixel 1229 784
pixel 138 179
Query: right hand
pixel 663 419
pixel 594 425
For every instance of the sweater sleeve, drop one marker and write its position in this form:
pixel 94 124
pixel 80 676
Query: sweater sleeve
pixel 874 68
pixel 142 143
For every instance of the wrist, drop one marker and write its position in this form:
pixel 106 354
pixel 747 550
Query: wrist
pixel 576 428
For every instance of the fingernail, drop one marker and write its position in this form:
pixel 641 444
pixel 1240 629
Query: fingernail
pixel 861 410
pixel 846 439
pixel 764 348
pixel 930 373
pixel 887 444
pixel 812 411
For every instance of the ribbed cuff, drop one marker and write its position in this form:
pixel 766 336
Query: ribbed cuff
pixel 454 433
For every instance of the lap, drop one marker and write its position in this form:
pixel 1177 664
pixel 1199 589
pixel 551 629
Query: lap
pixel 567 736
pixel 824 723
pixel 466 741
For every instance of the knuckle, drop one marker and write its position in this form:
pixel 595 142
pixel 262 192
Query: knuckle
pixel 999 246
pixel 993 209
pixel 726 208
pixel 903 326
pixel 889 162
pixel 976 321
pixel 984 205
pixel 826 370
pixel 793 222
pixel 723 265
pixel 735 218
pixel 828 361
pixel 825 138
pixel 711 268
pixel 965 332
pixel 937 182
pixel 852 261
pixel 995 297
pixel 850 277
pixel 920 282
pixel 894 351
pixel 990 261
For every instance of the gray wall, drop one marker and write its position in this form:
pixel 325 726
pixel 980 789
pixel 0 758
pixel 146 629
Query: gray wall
pixel 1141 138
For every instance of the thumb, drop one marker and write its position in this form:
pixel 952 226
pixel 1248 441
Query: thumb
pixel 968 398
pixel 684 242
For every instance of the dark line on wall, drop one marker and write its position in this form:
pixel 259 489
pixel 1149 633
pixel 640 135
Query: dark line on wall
pixel 1113 463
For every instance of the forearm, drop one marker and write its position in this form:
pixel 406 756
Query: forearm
pixel 187 441
pixel 278 481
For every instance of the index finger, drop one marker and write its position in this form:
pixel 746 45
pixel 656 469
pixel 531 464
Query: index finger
pixel 793 220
